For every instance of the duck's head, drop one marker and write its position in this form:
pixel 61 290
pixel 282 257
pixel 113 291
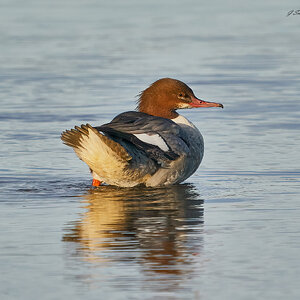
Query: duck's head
pixel 163 97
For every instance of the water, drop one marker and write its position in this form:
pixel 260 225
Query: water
pixel 231 231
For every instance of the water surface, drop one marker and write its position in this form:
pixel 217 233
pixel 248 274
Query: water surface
pixel 231 231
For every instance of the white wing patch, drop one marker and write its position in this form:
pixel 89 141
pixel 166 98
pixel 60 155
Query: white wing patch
pixel 154 139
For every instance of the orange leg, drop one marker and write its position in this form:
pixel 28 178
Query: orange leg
pixel 96 182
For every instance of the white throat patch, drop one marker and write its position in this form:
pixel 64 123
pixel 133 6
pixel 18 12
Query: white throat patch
pixel 182 120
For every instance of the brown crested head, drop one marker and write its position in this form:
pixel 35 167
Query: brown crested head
pixel 165 95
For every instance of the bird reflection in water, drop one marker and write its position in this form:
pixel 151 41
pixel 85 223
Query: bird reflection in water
pixel 160 229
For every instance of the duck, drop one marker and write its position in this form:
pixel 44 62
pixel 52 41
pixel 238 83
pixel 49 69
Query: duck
pixel 151 146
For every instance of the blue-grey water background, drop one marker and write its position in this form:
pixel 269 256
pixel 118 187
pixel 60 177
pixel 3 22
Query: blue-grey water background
pixel 231 231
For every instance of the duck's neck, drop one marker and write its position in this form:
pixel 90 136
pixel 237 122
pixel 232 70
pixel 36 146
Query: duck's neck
pixel 158 112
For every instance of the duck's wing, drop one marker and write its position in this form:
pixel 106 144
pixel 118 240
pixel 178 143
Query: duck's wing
pixel 160 139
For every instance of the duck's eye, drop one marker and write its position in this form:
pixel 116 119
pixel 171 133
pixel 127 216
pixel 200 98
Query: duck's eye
pixel 184 97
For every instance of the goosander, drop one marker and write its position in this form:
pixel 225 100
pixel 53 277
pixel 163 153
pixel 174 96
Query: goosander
pixel 152 146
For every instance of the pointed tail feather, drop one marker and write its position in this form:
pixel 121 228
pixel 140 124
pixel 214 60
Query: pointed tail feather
pixel 103 155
